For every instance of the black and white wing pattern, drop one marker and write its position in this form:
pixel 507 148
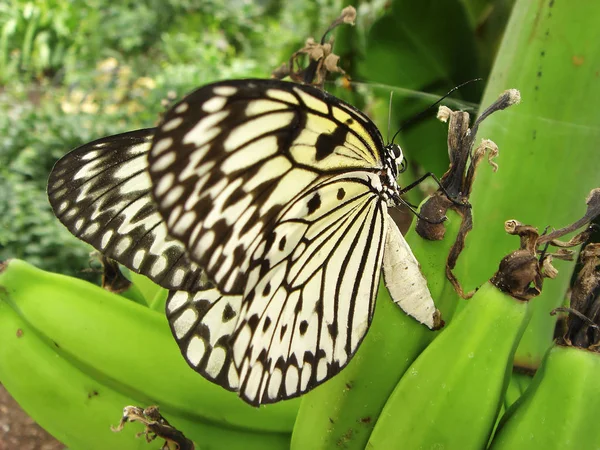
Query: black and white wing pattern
pixel 262 206
pixel 229 157
pixel 279 192
pixel 304 317
pixel 203 323
pixel 101 193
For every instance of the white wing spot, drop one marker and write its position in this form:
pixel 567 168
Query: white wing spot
pixel 262 106
pixel 78 224
pixel 254 128
pixel 61 192
pixel 164 161
pixel 159 265
pixel 274 383
pixel 254 380
pixel 164 184
pixel 91 229
pixel 178 277
pixel 64 205
pixel 162 145
pixel 305 377
pixel 214 104
pixel 312 102
pixel 284 96
pixel 195 350
pixel 184 323
pixel 177 300
pixel 91 155
pixel 291 380
pixel 205 130
pixel 182 107
pixel 172 196
pixel 206 240
pixel 70 213
pixel 215 361
pixel 106 238
pixel 225 90
pixel 233 377
pixel 138 258
pixel 184 223
pixel 123 245
pixel 172 124
pixel 321 369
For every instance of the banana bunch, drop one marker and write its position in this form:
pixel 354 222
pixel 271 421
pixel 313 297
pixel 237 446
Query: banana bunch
pixel 450 397
pixel 559 409
pixel 73 355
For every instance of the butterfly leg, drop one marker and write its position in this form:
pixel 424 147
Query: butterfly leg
pixel 439 183
pixel 416 213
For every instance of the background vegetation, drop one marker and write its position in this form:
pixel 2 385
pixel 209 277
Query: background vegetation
pixel 75 71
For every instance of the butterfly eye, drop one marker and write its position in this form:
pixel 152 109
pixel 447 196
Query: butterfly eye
pixel 395 150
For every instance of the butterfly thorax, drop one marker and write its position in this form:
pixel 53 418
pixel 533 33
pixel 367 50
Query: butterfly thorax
pixel 392 158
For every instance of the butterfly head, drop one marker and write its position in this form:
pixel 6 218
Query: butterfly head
pixel 394 164
pixel 397 157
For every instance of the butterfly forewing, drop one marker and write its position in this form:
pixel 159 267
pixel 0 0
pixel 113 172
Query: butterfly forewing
pixel 101 193
pixel 228 158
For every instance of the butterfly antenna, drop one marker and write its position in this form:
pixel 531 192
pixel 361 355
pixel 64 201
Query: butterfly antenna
pixel 425 111
pixel 389 117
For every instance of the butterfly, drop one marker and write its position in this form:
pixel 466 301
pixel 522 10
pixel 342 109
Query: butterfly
pixel 262 205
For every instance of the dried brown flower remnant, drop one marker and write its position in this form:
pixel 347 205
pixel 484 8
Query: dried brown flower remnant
pixel 156 427
pixel 457 182
pixel 321 59
pixel 583 321
pixel 521 273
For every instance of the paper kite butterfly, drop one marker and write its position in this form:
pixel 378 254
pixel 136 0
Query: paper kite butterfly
pixel 262 206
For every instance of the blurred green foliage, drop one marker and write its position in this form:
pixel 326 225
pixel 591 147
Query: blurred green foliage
pixel 72 71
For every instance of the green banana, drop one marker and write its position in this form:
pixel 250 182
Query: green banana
pixel 449 398
pixel 517 385
pixel 71 405
pixel 145 285
pixel 343 411
pixel 78 409
pixel 560 408
pixel 128 347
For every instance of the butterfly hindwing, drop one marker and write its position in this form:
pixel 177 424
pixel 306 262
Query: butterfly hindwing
pixel 227 159
pixel 303 318
pixel 202 324
pixel 101 193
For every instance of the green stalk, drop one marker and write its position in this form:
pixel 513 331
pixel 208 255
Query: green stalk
pixel 549 145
